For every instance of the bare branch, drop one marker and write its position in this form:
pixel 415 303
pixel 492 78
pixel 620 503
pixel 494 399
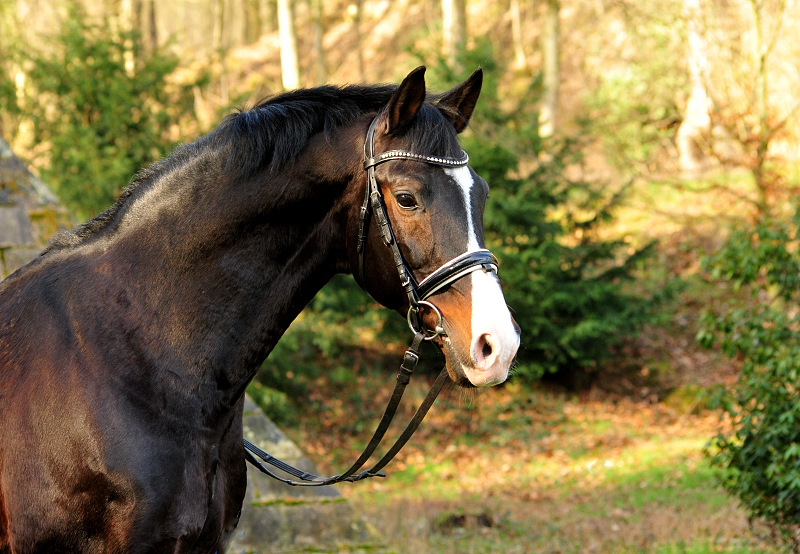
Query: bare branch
pixel 777 31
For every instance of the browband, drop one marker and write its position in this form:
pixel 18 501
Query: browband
pixel 403 155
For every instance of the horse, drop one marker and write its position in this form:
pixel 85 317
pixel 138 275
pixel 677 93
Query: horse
pixel 127 345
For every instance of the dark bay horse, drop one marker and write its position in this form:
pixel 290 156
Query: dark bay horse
pixel 126 347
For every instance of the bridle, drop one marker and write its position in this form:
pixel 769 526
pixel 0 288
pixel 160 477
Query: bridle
pixel 446 274
pixel 417 293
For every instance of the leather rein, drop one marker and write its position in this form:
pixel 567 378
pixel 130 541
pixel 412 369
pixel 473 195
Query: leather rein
pixel 417 293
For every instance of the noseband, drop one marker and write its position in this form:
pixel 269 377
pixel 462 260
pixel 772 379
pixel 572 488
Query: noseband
pixel 418 293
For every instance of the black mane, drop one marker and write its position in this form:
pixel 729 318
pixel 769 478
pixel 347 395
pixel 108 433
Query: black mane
pixel 272 133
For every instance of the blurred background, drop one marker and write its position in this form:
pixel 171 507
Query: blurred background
pixel 643 161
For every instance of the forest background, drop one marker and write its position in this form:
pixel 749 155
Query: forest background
pixel 643 161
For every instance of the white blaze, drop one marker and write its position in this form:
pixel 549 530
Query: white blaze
pixel 494 339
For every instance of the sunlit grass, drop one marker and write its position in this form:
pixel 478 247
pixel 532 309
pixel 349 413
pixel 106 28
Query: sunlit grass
pixel 589 477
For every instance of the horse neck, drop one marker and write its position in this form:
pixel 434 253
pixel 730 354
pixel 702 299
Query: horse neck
pixel 220 278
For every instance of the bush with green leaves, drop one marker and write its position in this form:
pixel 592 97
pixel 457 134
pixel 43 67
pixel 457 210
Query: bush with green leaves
pixel 101 111
pixel 8 92
pixel 759 461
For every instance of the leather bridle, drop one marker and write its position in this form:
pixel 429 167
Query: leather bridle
pixel 417 293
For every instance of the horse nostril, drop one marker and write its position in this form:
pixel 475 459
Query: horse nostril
pixel 483 351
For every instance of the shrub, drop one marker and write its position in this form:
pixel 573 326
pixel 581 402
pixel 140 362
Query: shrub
pixel 565 285
pixel 759 461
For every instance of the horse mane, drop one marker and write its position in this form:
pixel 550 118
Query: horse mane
pixel 272 133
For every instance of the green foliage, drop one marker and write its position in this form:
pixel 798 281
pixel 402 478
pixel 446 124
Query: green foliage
pixel 7 93
pixel 632 120
pixel 99 121
pixel 328 337
pixel 8 101
pixel 760 459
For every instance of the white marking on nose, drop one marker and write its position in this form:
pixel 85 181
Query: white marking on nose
pixel 494 340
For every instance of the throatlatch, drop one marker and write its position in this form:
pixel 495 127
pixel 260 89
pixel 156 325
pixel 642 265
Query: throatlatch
pixel 417 293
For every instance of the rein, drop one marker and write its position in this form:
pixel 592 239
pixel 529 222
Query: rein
pixel 417 293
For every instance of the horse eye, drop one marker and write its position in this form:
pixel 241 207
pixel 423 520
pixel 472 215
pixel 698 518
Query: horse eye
pixel 406 201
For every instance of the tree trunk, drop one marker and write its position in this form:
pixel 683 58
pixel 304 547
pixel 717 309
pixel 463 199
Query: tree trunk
pixel 552 70
pixel 252 21
pixel 696 120
pixel 125 27
pixel 269 23
pixel 516 34
pixel 764 180
pixel 317 13
pixel 454 31
pixel 218 25
pixel 137 20
pixel 290 61
pixel 355 10
pixel 152 29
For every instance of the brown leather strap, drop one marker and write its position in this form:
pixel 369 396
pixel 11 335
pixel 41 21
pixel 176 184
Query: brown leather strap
pixel 412 425
pixel 410 359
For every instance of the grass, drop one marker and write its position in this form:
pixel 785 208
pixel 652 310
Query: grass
pixel 567 475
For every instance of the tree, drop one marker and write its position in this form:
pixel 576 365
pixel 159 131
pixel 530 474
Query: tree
pixel 632 106
pixel 8 34
pixel 218 25
pixel 290 59
pixel 516 34
pixel 454 30
pixel 355 10
pixel 747 118
pixel 565 285
pixel 95 123
pixel 317 14
pixel 551 35
pixel 696 125
pixel 252 21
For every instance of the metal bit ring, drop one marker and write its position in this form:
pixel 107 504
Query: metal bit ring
pixel 429 334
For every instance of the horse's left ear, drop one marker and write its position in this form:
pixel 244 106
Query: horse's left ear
pixel 405 103
pixel 458 104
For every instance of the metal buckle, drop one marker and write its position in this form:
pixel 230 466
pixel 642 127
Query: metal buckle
pixel 429 334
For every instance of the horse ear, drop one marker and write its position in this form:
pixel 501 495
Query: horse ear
pixel 406 101
pixel 458 104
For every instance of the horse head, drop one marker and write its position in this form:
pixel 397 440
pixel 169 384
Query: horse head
pixel 434 204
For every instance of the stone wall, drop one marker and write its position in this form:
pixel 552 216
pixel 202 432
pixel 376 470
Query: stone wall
pixel 279 518
pixel 29 213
